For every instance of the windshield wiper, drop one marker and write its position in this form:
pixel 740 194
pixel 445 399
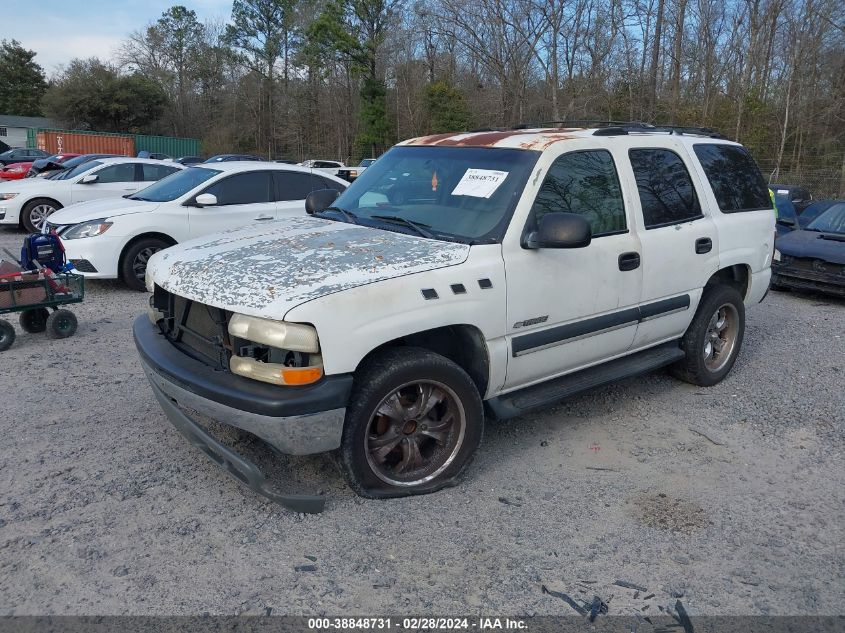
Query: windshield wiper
pixel 418 227
pixel 348 215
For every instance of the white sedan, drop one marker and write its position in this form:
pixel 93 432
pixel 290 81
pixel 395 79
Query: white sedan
pixel 108 239
pixel 29 202
pixel 325 166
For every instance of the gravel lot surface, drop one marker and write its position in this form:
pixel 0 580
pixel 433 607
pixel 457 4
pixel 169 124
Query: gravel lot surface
pixel 731 497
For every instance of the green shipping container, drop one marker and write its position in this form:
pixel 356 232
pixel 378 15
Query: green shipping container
pixel 172 146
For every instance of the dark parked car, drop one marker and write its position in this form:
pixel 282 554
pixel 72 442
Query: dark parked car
pixel 799 196
pixel 188 160
pixel 224 158
pixel 71 163
pixel 787 216
pixel 813 258
pixel 21 155
pixel 51 163
pixel 815 209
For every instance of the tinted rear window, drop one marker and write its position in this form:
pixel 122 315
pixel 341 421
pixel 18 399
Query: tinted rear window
pixel 667 194
pixel 734 177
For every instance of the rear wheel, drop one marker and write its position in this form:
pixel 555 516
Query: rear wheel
pixel 714 338
pixel 61 324
pixel 133 266
pixel 413 423
pixel 35 213
pixel 34 320
pixel 7 335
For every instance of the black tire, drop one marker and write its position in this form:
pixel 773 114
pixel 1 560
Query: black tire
pixel 697 367
pixel 61 324
pixel 7 335
pixel 133 263
pixel 376 382
pixel 35 211
pixel 34 320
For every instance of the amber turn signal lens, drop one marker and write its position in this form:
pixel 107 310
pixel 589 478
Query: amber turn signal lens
pixel 301 375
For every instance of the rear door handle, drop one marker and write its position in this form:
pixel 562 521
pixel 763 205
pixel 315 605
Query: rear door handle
pixel 703 245
pixel 264 217
pixel 629 261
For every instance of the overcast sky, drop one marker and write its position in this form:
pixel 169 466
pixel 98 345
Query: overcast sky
pixel 58 32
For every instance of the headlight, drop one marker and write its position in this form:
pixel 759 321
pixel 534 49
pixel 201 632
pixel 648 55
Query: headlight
pixel 86 229
pixel 274 373
pixel 295 337
pixel 148 281
pixel 776 256
pixel 7 196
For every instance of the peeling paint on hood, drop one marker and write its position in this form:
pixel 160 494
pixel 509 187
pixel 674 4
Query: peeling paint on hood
pixel 267 270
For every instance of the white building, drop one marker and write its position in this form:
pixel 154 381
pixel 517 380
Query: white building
pixel 13 128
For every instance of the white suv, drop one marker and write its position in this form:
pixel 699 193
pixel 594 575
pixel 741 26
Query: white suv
pixel 521 267
pixel 29 202
pixel 107 239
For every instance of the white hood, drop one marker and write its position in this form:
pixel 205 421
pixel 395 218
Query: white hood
pixel 265 271
pixel 98 209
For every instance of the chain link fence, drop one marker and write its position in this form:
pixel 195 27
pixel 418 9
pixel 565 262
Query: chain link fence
pixel 823 182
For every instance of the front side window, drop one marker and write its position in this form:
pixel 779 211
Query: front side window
pixel 585 183
pixel 667 194
pixel 734 177
pixel 124 172
pixel 78 170
pixel 175 185
pixel 252 187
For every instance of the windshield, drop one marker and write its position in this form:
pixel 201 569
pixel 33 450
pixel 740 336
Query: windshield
pixel 73 172
pixel 831 221
pixel 463 193
pixel 175 185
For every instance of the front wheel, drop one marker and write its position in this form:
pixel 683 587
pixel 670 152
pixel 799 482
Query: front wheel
pixel 61 324
pixel 714 338
pixel 35 213
pixel 413 424
pixel 34 320
pixel 133 266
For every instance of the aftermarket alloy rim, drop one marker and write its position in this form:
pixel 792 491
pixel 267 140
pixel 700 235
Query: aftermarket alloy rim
pixel 721 336
pixel 415 433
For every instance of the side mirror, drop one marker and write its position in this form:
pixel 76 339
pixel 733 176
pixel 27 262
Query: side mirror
pixel 560 230
pixel 206 200
pixel 89 179
pixel 319 200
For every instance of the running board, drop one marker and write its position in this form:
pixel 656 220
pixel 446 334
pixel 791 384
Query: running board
pixel 553 391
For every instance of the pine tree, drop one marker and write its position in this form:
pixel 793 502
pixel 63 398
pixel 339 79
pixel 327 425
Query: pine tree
pixel 22 82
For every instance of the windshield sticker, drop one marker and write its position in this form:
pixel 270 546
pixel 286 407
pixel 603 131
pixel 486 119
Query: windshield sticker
pixel 480 183
pixel 783 192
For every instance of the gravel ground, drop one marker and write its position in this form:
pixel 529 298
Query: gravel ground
pixel 732 497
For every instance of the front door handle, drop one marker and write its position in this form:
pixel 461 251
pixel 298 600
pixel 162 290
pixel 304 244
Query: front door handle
pixel 629 261
pixel 264 217
pixel 703 245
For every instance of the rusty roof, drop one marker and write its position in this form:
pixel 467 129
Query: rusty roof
pixel 536 139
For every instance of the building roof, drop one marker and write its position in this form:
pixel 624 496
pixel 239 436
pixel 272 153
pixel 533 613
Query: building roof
pixel 9 120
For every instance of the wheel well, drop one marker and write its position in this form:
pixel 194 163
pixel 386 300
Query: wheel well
pixel 58 204
pixel 462 344
pixel 159 236
pixel 737 276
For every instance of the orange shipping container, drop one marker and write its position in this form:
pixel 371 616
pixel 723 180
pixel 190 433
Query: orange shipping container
pixel 82 143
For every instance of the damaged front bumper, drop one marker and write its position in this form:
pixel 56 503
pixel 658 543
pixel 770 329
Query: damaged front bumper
pixel 802 279
pixel 294 420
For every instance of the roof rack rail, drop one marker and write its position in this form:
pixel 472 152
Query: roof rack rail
pixel 618 128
